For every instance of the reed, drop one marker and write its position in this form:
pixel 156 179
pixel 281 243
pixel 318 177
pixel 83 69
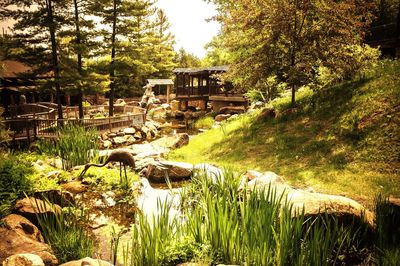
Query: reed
pixel 64 231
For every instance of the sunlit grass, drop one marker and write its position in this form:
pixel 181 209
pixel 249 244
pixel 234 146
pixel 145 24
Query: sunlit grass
pixel 341 140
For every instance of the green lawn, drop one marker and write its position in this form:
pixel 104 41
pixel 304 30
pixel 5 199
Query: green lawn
pixel 342 140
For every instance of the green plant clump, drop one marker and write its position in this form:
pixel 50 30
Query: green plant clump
pixel 204 122
pixel 76 145
pixel 13 181
pixel 65 232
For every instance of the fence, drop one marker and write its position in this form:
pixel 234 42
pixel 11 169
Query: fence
pixel 32 128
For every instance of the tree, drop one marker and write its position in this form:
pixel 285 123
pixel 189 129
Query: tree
pixel 126 39
pixel 291 39
pixel 36 27
pixel 184 59
pixel 217 54
pixel 162 42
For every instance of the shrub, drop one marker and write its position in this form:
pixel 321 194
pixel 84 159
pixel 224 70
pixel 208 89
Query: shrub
pixel 13 181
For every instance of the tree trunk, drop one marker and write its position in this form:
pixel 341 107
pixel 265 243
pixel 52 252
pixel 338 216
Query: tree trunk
pixel 112 69
pixel 397 48
pixel 79 55
pixel 56 68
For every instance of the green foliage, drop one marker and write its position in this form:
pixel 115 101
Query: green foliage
pixel 76 146
pixel 185 59
pixel 205 122
pixel 65 232
pixel 261 46
pixel 224 225
pixel 13 181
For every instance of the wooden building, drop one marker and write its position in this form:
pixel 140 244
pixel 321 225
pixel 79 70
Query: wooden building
pixel 203 85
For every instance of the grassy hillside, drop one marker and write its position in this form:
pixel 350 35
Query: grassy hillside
pixel 342 140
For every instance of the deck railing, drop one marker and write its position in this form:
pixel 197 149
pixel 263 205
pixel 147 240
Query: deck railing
pixel 32 128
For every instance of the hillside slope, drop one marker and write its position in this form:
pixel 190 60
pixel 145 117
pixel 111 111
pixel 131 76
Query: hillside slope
pixel 341 140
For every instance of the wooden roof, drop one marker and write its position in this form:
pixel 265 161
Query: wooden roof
pixel 12 69
pixel 160 81
pixel 215 69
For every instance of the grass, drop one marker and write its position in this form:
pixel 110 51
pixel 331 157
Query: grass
pixel 204 122
pixel 222 225
pixel 339 140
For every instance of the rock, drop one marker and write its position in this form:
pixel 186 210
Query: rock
pixel 25 259
pixel 129 139
pixel 159 112
pixel 172 142
pixel 166 106
pixel 157 171
pixel 145 130
pixel 147 150
pixel 232 110
pixel 257 105
pixel 222 117
pixel 314 204
pixel 213 172
pixel 174 105
pixel 39 166
pixel 120 102
pixel 267 113
pixel 138 135
pixel 107 144
pixel 119 140
pixel 87 262
pixel 75 187
pixel 62 198
pixel 55 162
pixel 120 134
pixel 149 136
pixel 112 135
pixel 54 174
pixel 23 227
pixel 30 207
pixel 129 131
pixel 19 236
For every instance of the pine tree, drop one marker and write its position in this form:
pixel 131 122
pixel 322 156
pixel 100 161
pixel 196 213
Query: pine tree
pixel 163 53
pixel 36 27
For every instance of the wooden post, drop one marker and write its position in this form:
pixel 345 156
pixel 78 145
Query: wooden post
pixel 168 92
pixel 109 124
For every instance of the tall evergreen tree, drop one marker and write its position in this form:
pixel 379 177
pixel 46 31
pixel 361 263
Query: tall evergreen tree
pixel 36 26
pixel 163 53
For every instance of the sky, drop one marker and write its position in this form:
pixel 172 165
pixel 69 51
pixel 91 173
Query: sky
pixel 189 25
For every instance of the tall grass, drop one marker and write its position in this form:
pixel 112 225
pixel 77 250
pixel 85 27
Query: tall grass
pixel 231 227
pixel 76 145
pixel 65 232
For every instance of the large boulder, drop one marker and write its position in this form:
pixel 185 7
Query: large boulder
pixel 62 198
pixel 173 141
pixel 87 262
pixel 232 110
pixel 74 187
pixel 157 171
pixel 20 236
pixel 24 259
pixel 222 117
pixel 314 204
pixel 23 227
pixel 147 150
pixel 31 207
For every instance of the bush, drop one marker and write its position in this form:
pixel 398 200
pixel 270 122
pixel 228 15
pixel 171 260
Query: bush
pixel 13 181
